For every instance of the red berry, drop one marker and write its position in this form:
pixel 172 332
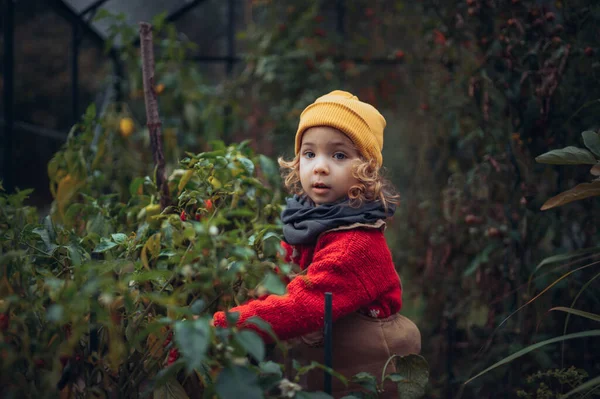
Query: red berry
pixel 198 217
pixel 182 216
pixel 173 356
pixel 424 106
pixel 589 51
pixel 369 12
pixel 320 32
pixel 4 322
pixel 472 219
pixel 399 54
pixel 209 205
pixel 492 232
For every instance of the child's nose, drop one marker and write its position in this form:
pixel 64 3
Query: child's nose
pixel 321 166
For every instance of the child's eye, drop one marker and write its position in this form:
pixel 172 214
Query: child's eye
pixel 309 154
pixel 339 155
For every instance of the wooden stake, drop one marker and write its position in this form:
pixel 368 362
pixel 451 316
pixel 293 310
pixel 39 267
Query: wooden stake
pixel 152 117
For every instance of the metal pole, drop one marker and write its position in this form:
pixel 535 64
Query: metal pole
pixel 328 341
pixel 75 71
pixel 9 63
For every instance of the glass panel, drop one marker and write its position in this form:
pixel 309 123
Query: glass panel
pixel 206 25
pixel 79 5
pixel 136 11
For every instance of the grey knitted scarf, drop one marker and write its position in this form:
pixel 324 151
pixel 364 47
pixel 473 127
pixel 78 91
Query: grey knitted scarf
pixel 303 221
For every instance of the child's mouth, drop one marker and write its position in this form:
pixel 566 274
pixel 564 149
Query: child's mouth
pixel 320 188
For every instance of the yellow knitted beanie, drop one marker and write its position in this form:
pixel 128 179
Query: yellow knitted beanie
pixel 360 121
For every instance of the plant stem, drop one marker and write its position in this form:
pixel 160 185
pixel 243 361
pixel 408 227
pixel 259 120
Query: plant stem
pixel 153 120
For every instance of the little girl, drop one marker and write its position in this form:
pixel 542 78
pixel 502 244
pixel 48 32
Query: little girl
pixel 333 229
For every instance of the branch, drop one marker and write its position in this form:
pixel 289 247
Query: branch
pixel 153 120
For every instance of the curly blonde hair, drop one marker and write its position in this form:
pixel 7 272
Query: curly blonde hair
pixel 372 185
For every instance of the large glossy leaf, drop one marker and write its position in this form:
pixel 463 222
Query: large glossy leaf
pixel 252 344
pixel 580 191
pixel 588 315
pixel 192 338
pixel 567 156
pixel 365 380
pixel 238 382
pixel 104 245
pixel 530 348
pixel 591 140
pixel 273 284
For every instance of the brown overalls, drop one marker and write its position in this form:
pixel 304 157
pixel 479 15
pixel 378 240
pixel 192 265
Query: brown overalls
pixel 360 343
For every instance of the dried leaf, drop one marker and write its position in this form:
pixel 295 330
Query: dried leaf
pixel 581 191
pixel 152 246
pixel 154 343
pixel 67 188
pixel 185 179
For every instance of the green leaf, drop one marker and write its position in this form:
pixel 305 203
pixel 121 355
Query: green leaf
pixel 481 258
pixel 591 316
pixel 313 395
pixel 273 284
pixel 567 256
pixel 365 380
pixel 135 185
pixel 252 343
pixel 270 367
pixel 172 389
pixel 592 141
pixel 55 313
pixel 104 245
pixel 269 168
pixel 119 238
pixel 567 156
pixel 395 377
pixel 74 255
pixel 238 382
pixel 262 325
pixel 530 348
pixel 247 164
pixel 192 338
pixel 585 387
pixel 43 233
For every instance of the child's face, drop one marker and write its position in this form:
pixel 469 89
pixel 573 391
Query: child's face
pixel 327 157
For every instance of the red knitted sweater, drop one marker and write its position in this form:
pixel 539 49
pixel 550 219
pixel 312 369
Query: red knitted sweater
pixel 354 265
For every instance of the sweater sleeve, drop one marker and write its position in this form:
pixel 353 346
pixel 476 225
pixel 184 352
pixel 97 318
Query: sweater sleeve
pixel 345 264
